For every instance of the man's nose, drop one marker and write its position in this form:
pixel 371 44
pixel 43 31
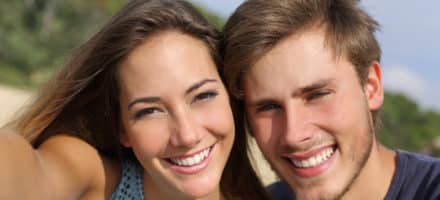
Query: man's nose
pixel 297 127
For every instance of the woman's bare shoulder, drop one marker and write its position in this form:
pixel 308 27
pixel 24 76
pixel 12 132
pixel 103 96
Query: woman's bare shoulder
pixel 76 168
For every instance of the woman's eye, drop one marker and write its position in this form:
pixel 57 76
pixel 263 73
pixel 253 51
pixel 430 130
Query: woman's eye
pixel 205 96
pixel 268 107
pixel 146 112
pixel 317 95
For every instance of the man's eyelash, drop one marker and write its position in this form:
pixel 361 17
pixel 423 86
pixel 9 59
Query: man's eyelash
pixel 316 95
pixel 267 107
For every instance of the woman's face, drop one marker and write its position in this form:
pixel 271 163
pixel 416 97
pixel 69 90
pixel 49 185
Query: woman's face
pixel 176 115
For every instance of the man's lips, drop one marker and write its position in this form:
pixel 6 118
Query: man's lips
pixel 311 158
pixel 312 163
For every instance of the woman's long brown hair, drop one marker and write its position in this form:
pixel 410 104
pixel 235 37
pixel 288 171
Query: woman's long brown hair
pixel 82 99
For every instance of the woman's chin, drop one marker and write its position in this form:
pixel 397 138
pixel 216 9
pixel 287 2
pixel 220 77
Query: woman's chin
pixel 205 186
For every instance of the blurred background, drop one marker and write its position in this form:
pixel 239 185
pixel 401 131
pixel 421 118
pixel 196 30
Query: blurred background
pixel 36 36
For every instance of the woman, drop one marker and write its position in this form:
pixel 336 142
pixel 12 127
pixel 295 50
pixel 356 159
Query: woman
pixel 139 110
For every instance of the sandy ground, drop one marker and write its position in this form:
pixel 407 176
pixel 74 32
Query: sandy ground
pixel 12 100
pixel 262 167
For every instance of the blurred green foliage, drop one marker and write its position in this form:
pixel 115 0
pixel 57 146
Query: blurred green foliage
pixel 37 35
pixel 405 125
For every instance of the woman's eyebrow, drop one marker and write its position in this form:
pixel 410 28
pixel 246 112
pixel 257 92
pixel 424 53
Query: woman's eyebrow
pixel 199 84
pixel 143 100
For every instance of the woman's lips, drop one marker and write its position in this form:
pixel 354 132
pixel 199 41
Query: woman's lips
pixel 192 164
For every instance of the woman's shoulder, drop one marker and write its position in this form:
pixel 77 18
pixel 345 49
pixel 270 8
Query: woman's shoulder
pixel 78 168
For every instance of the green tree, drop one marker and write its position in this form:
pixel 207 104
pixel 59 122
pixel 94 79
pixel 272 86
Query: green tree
pixel 35 35
pixel 406 126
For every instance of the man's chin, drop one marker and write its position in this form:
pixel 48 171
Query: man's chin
pixel 324 187
pixel 317 193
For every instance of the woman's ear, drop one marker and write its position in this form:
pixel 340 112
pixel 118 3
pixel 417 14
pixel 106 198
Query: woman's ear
pixel 373 86
pixel 124 139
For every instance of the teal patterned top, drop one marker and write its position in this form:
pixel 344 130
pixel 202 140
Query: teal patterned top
pixel 130 187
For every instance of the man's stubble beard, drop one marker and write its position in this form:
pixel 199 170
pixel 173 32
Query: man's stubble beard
pixel 359 165
pixel 364 156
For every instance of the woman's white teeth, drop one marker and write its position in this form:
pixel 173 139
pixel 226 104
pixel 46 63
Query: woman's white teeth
pixel 193 160
pixel 315 160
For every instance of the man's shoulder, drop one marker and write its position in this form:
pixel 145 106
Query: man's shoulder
pixel 416 176
pixel 414 162
pixel 419 168
pixel 280 191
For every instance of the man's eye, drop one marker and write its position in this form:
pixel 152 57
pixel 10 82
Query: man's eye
pixel 268 107
pixel 205 96
pixel 146 112
pixel 317 95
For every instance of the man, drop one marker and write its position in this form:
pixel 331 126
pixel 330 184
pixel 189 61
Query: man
pixel 310 76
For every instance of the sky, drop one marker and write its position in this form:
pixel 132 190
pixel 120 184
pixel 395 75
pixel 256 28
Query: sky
pixel 410 42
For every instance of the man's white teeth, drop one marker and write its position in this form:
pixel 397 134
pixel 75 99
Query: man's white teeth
pixel 315 160
pixel 193 160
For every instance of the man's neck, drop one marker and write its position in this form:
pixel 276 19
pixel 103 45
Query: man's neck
pixel 375 178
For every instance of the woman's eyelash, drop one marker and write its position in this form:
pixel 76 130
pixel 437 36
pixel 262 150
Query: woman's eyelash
pixel 145 111
pixel 205 95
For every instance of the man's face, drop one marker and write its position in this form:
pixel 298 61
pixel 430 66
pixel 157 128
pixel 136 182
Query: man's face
pixel 310 115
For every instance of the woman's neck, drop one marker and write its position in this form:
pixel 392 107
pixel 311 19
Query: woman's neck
pixel 153 191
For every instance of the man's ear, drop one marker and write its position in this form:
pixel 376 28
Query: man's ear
pixel 373 86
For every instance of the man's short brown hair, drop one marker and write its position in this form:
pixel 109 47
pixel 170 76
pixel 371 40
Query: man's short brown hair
pixel 258 25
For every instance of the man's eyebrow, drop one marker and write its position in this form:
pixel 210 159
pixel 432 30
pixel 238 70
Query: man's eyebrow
pixel 313 86
pixel 199 84
pixel 303 90
pixel 143 100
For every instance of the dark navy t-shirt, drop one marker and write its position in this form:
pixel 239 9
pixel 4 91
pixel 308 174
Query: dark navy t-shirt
pixel 417 177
